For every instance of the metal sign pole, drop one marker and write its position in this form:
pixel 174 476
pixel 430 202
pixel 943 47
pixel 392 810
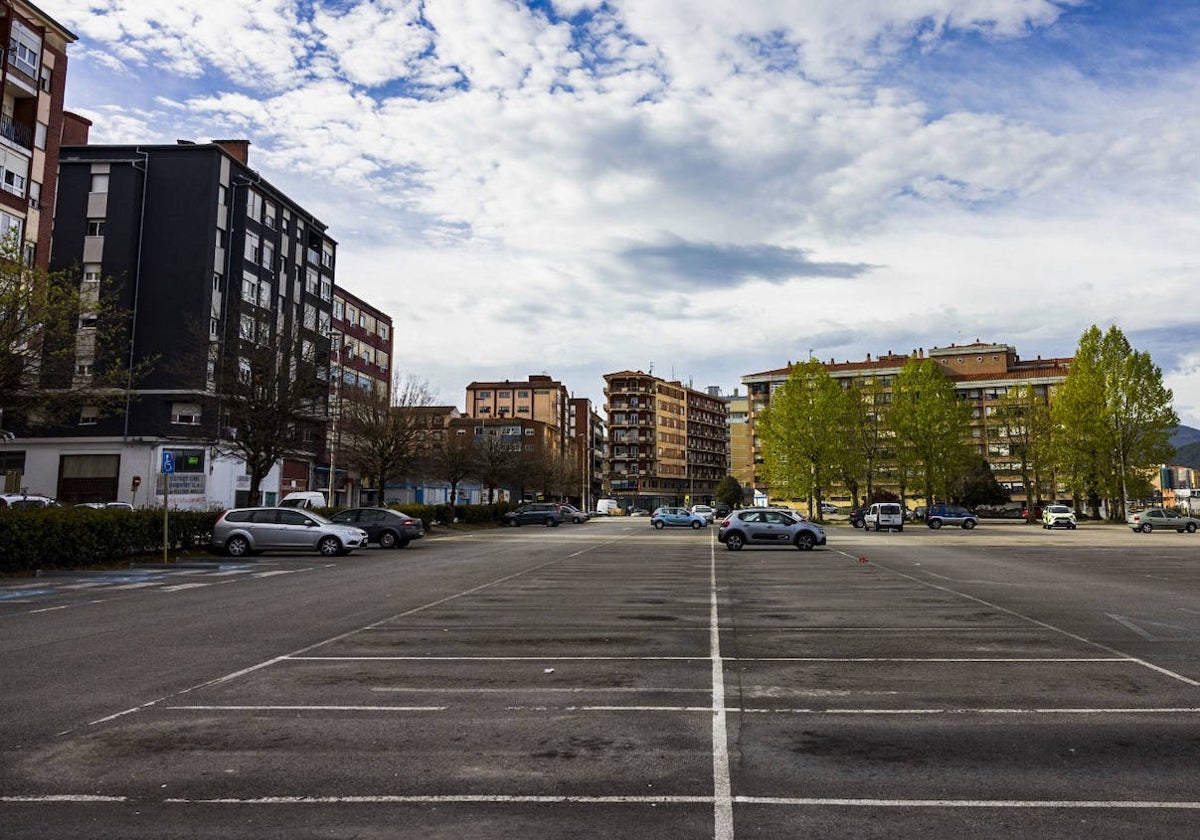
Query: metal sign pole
pixel 168 467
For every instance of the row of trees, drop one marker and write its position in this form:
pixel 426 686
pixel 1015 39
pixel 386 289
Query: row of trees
pixel 1099 437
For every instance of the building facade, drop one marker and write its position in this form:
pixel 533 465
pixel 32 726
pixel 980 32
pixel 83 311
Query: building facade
pixel 587 431
pixel 214 265
pixel 33 79
pixel 667 444
pixel 360 359
pixel 983 373
pixel 540 398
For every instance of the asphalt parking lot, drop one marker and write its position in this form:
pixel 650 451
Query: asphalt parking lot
pixel 606 680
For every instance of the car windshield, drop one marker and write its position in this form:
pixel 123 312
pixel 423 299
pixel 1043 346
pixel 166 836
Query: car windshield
pixel 1058 509
pixel 318 517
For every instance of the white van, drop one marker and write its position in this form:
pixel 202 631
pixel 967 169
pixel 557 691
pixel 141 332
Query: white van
pixel 606 507
pixel 884 516
pixel 304 499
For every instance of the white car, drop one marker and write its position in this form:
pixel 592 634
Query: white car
pixel 704 510
pixel 1058 516
pixel 26 501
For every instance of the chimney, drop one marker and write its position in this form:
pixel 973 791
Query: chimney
pixel 239 150
pixel 75 129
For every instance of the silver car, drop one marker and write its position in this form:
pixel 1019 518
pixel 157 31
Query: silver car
pixel 1161 518
pixel 766 526
pixel 243 531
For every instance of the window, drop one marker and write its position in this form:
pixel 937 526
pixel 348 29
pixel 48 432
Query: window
pixel 47 78
pixel 505 395
pixel 339 309
pixel 185 414
pixel 95 227
pixel 327 254
pixel 89 415
pixel 216 281
pixel 99 182
pixel 268 255
pixel 15 172
pixel 25 50
pixel 253 247
pixel 269 215
pixel 326 289
pixel 312 283
pixel 213 327
pixel 35 194
pixel 310 316
pixel 39 135
pixel 383 331
pixel 253 205
pixel 222 195
pixel 9 223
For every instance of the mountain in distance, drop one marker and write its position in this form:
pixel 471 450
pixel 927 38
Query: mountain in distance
pixel 1186 441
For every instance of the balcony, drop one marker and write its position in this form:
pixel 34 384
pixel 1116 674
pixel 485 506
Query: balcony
pixel 16 132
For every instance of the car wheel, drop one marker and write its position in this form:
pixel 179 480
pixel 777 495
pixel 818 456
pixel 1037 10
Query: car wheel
pixel 968 524
pixel 329 547
pixel 734 541
pixel 237 547
pixel 935 524
pixel 387 539
pixel 578 520
pixel 1073 526
pixel 695 525
pixel 1147 527
pixel 858 523
pixel 551 522
pixel 1191 528
pixel 805 541
pixel 658 524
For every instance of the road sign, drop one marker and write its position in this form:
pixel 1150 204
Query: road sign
pixel 168 462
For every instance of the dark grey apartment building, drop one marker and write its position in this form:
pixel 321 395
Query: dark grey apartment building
pixel 214 263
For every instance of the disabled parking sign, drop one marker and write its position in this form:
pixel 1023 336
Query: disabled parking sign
pixel 168 462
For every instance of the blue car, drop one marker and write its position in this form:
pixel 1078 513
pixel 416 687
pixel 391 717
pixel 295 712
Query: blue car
pixel 679 517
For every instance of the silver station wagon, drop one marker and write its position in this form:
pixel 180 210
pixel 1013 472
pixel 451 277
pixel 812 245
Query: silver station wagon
pixel 243 531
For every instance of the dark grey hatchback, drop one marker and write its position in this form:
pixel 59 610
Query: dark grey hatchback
pixel 385 526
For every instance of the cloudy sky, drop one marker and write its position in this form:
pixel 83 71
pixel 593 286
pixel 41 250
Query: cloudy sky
pixel 710 188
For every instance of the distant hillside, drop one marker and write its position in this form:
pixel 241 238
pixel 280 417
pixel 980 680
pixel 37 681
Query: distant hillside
pixel 1188 455
pixel 1184 435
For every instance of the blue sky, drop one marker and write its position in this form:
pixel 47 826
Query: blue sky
pixel 712 188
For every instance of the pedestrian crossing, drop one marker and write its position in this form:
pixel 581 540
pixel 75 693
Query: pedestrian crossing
pixel 18 596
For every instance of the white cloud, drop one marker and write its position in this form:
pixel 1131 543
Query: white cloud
pixel 520 193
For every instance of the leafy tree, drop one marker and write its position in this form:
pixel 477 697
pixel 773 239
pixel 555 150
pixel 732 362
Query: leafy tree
pixel 930 424
pixel 274 395
pixel 1112 418
pixel 381 432
pixel 729 492
pixel 978 486
pixel 867 438
pixel 64 344
pixel 801 433
pixel 1021 418
pixel 495 459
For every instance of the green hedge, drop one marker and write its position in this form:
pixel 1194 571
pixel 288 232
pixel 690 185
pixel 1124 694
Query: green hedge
pixel 69 538
pixel 466 514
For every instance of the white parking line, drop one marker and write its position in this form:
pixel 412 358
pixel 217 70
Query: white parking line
pixel 722 786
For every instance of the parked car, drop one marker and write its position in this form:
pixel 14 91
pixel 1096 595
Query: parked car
pixel 26 501
pixel 243 531
pixel 856 516
pixel 1058 516
pixel 573 514
pixel 918 513
pixel 536 513
pixel 884 516
pixel 607 507
pixel 1148 520
pixel 639 512
pixel 939 515
pixel 105 505
pixel 677 517
pixel 828 508
pixel 721 510
pixel 385 526
pixel 768 526
pixel 706 511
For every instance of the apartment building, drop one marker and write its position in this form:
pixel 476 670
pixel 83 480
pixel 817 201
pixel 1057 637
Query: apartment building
pixel 587 430
pixel 982 373
pixel 668 444
pixel 213 262
pixel 32 122
pixel 360 358
pixel 540 397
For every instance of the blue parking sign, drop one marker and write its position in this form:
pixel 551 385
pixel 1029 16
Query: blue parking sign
pixel 168 462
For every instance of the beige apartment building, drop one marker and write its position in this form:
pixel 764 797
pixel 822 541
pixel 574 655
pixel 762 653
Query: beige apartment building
pixel 982 373
pixel 540 397
pixel 667 443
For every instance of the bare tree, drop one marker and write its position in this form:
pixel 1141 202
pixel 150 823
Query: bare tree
pixel 454 462
pixel 274 390
pixel 381 434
